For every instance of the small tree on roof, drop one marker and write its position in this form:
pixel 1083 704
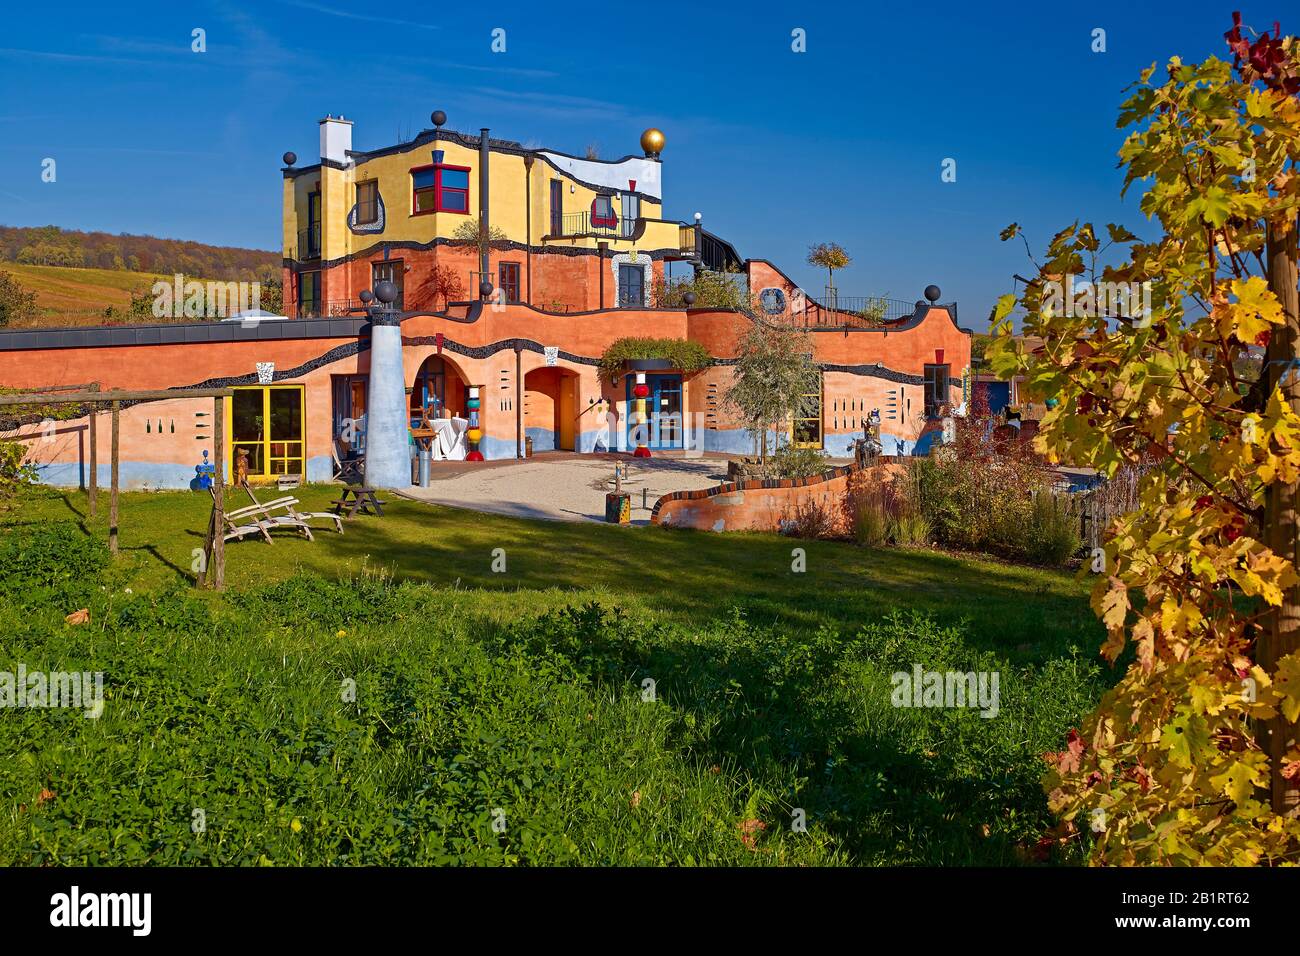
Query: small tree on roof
pixel 830 256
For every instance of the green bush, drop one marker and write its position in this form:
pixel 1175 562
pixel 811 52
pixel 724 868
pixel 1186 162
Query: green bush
pixel 50 563
pixel 790 461
pixel 15 471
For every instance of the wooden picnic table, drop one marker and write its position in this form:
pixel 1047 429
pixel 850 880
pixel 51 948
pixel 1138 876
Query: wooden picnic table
pixel 362 499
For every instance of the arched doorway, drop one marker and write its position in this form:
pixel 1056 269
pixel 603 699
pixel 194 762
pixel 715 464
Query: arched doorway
pixel 551 409
pixel 439 391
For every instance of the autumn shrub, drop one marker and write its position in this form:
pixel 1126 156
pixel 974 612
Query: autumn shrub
pixel 811 517
pixel 979 494
pixel 1052 535
pixel 870 521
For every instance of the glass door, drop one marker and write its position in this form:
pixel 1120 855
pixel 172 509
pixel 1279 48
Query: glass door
pixel 266 422
pixel 664 407
pixel 806 430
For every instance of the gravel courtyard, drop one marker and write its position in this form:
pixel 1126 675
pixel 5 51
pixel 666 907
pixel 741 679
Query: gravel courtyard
pixel 564 487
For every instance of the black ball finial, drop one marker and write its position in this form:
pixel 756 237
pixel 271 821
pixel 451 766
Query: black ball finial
pixel 386 292
pixel 367 296
pixel 485 288
pixel 290 158
pixel 932 293
pixel 689 299
pixel 438 117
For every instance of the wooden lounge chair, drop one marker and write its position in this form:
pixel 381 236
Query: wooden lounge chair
pixel 241 522
pixel 289 506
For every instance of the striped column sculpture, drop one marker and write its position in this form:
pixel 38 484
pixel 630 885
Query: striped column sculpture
pixel 475 434
pixel 642 421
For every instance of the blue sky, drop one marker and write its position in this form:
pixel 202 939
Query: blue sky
pixel 777 149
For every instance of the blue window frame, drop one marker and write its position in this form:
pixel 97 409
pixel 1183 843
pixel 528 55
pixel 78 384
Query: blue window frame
pixel 664 406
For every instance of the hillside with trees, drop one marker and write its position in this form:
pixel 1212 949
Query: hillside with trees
pixel 52 246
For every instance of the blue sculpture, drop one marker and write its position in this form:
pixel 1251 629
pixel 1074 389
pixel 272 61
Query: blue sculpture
pixel 203 474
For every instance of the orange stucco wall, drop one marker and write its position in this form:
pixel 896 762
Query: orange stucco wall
pixel 848 395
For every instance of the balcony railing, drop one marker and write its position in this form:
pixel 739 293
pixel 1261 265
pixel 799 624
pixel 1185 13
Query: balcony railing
pixel 574 224
pixel 309 242
pixel 333 309
pixel 836 311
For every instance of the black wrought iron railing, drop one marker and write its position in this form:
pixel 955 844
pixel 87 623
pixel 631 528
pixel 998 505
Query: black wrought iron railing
pixel 309 242
pixel 332 309
pixel 585 224
pixel 835 311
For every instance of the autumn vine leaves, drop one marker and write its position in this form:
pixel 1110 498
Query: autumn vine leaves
pixel 1192 757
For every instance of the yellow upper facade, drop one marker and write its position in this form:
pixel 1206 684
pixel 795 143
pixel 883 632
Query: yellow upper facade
pixel 428 189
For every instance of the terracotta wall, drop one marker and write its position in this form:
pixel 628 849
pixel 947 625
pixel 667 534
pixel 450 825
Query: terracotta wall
pixel 768 505
pixel 559 283
pixel 482 353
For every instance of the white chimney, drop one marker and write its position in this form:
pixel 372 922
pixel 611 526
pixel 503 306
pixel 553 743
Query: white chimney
pixel 335 139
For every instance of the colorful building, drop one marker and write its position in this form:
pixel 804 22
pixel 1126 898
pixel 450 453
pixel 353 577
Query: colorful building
pixel 516 326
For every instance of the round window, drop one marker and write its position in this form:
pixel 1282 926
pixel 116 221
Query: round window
pixel 772 300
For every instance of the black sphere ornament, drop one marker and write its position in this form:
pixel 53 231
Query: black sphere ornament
pixel 438 117
pixel 485 288
pixel 386 292
pixel 290 158
pixel 932 293
pixel 689 299
pixel 367 296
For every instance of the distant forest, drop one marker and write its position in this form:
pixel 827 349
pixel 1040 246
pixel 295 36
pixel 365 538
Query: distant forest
pixel 52 246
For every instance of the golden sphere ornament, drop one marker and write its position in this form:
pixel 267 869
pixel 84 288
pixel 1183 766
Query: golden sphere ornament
pixel 652 141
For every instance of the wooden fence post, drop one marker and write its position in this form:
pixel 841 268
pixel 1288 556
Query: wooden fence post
pixel 112 496
pixel 93 489
pixel 219 490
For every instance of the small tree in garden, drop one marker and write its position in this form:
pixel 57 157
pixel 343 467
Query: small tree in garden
pixel 774 378
pixel 830 256
pixel 1192 757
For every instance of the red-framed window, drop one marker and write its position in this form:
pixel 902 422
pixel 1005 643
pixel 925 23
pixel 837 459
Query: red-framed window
pixel 439 188
pixel 602 213
pixel 508 280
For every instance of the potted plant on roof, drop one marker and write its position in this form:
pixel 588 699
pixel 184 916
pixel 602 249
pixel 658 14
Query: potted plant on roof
pixel 634 354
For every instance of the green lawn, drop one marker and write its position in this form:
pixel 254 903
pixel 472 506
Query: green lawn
pixel 524 692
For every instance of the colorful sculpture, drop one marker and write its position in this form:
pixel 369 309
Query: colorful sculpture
pixel 475 434
pixel 641 420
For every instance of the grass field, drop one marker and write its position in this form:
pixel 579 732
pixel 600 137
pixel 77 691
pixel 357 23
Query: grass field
pixel 502 716
pixel 68 296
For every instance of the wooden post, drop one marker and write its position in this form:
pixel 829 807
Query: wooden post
pixel 112 495
pixel 93 489
pixel 1280 634
pixel 218 576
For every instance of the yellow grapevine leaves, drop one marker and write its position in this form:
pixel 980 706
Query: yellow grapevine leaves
pixel 1167 398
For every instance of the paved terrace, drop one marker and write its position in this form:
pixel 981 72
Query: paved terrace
pixel 563 486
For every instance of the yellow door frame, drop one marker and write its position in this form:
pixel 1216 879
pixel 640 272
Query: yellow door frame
pixel 819 418
pixel 266 440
